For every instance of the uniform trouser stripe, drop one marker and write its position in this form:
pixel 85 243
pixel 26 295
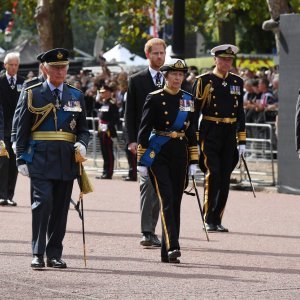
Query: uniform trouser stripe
pixel 206 184
pixel 161 211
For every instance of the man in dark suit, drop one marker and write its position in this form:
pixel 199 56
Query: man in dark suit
pixel 30 82
pixel 139 86
pixel 10 88
pixel 52 126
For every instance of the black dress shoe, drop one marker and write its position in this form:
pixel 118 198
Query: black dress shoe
pixel 56 263
pixel 221 228
pixel 3 202
pixel 11 202
pixel 155 240
pixel 104 176
pixel 129 179
pixel 210 227
pixel 171 261
pixel 173 254
pixel 37 262
pixel 146 240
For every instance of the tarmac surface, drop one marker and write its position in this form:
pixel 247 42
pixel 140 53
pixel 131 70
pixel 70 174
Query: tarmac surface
pixel 258 259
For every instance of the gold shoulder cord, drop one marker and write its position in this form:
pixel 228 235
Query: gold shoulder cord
pixel 44 111
pixel 204 97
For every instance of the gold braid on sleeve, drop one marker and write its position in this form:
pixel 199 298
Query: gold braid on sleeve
pixel 43 111
pixel 205 96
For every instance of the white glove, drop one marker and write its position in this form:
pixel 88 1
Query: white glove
pixel 142 170
pixel 81 148
pixel 14 147
pixel 242 149
pixel 23 169
pixel 193 169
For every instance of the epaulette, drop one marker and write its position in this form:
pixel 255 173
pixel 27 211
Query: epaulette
pixel 30 79
pixel 74 87
pixel 236 75
pixel 202 75
pixel 33 86
pixel 156 92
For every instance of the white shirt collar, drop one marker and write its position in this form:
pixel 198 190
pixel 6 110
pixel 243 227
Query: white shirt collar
pixel 8 77
pixel 153 74
pixel 52 87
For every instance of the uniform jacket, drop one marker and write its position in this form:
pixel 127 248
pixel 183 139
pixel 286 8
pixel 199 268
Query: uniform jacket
pixel 221 98
pixel 52 159
pixel 160 112
pixel 9 98
pixel 139 86
pixel 108 117
pixel 27 83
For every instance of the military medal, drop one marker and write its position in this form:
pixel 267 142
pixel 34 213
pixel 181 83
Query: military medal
pixel 73 124
pixel 224 83
pixel 57 104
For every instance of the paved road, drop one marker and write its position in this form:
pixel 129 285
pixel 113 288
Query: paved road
pixel 258 259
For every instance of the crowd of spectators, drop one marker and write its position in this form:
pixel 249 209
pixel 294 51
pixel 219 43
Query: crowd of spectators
pixel 260 87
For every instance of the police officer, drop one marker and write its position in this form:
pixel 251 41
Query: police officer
pixel 219 96
pixel 52 125
pixel 108 119
pixel 172 148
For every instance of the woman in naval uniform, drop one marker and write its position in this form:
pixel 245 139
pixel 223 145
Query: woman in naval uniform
pixel 167 149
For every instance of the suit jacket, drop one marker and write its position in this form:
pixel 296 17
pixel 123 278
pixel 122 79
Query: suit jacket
pixel 52 159
pixel 139 86
pixel 9 98
pixel 1 124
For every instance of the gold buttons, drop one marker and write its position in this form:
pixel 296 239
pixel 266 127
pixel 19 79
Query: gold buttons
pixel 235 97
pixel 164 103
pixel 215 105
pixel 232 114
pixel 216 113
pixel 167 122
pixel 165 112
pixel 162 94
pixel 235 81
pixel 184 123
pixel 214 97
pixel 60 129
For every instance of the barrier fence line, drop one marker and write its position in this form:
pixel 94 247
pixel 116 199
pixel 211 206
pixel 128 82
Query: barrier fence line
pixel 259 153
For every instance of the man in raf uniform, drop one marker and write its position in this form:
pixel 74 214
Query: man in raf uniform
pixel 219 97
pixel 52 126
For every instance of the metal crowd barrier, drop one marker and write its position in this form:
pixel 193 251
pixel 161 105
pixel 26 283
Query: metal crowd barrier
pixel 260 154
pixel 94 151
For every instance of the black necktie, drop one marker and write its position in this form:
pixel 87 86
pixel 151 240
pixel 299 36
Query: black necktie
pixel 56 93
pixel 12 82
pixel 157 79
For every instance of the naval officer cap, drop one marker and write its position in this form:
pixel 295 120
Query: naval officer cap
pixel 175 64
pixel 226 50
pixel 56 57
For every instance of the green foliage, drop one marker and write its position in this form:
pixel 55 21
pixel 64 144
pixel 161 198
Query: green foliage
pixel 128 21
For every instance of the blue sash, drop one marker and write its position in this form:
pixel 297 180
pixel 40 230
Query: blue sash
pixel 157 141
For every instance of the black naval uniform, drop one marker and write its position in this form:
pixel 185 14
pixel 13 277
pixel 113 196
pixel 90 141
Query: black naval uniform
pixel 108 119
pixel 169 168
pixel 45 142
pixel 221 102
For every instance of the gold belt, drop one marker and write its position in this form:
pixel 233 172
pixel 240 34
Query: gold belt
pixel 53 136
pixel 221 120
pixel 171 134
